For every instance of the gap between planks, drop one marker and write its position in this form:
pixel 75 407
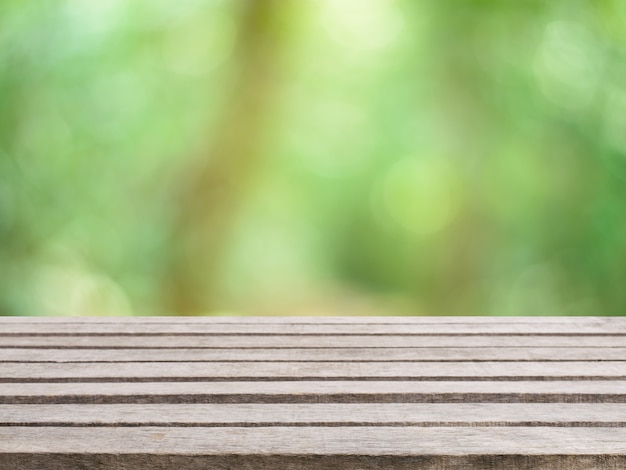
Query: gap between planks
pixel 316 392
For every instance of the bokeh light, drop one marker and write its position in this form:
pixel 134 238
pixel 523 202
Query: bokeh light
pixel 319 157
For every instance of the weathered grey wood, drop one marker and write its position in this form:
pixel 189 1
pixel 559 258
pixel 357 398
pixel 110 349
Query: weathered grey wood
pixel 312 354
pixel 307 341
pixel 396 414
pixel 134 371
pixel 86 328
pixel 317 392
pixel 288 440
pixel 439 320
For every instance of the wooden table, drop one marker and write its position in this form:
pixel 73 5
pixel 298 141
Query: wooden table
pixel 313 393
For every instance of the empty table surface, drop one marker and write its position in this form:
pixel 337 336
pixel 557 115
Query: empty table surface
pixel 313 392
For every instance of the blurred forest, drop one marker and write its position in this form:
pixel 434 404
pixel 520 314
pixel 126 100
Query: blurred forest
pixel 296 157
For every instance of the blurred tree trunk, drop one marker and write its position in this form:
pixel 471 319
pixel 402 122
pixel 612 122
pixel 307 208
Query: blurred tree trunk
pixel 208 201
pixel 466 114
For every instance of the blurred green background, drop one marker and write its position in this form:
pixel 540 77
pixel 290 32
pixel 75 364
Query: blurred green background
pixel 312 157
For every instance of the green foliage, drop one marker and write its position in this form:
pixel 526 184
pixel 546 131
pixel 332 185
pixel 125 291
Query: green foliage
pixel 418 157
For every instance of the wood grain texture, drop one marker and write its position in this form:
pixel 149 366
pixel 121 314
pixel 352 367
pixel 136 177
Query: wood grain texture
pixel 353 391
pixel 290 440
pixel 310 354
pixel 314 320
pixel 354 414
pixel 308 341
pixel 313 392
pixel 348 329
pixel 269 371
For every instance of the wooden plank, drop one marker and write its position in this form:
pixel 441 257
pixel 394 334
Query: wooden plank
pixel 392 414
pixel 310 341
pixel 436 320
pixel 612 328
pixel 294 440
pixel 187 371
pixel 311 354
pixel 435 393
pixel 317 392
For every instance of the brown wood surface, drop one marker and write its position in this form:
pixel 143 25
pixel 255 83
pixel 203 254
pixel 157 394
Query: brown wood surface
pixel 313 392
pixel 307 341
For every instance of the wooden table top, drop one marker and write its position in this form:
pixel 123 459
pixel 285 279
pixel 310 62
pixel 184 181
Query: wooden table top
pixel 313 392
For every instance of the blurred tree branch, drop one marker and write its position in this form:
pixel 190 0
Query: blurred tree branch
pixel 208 201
